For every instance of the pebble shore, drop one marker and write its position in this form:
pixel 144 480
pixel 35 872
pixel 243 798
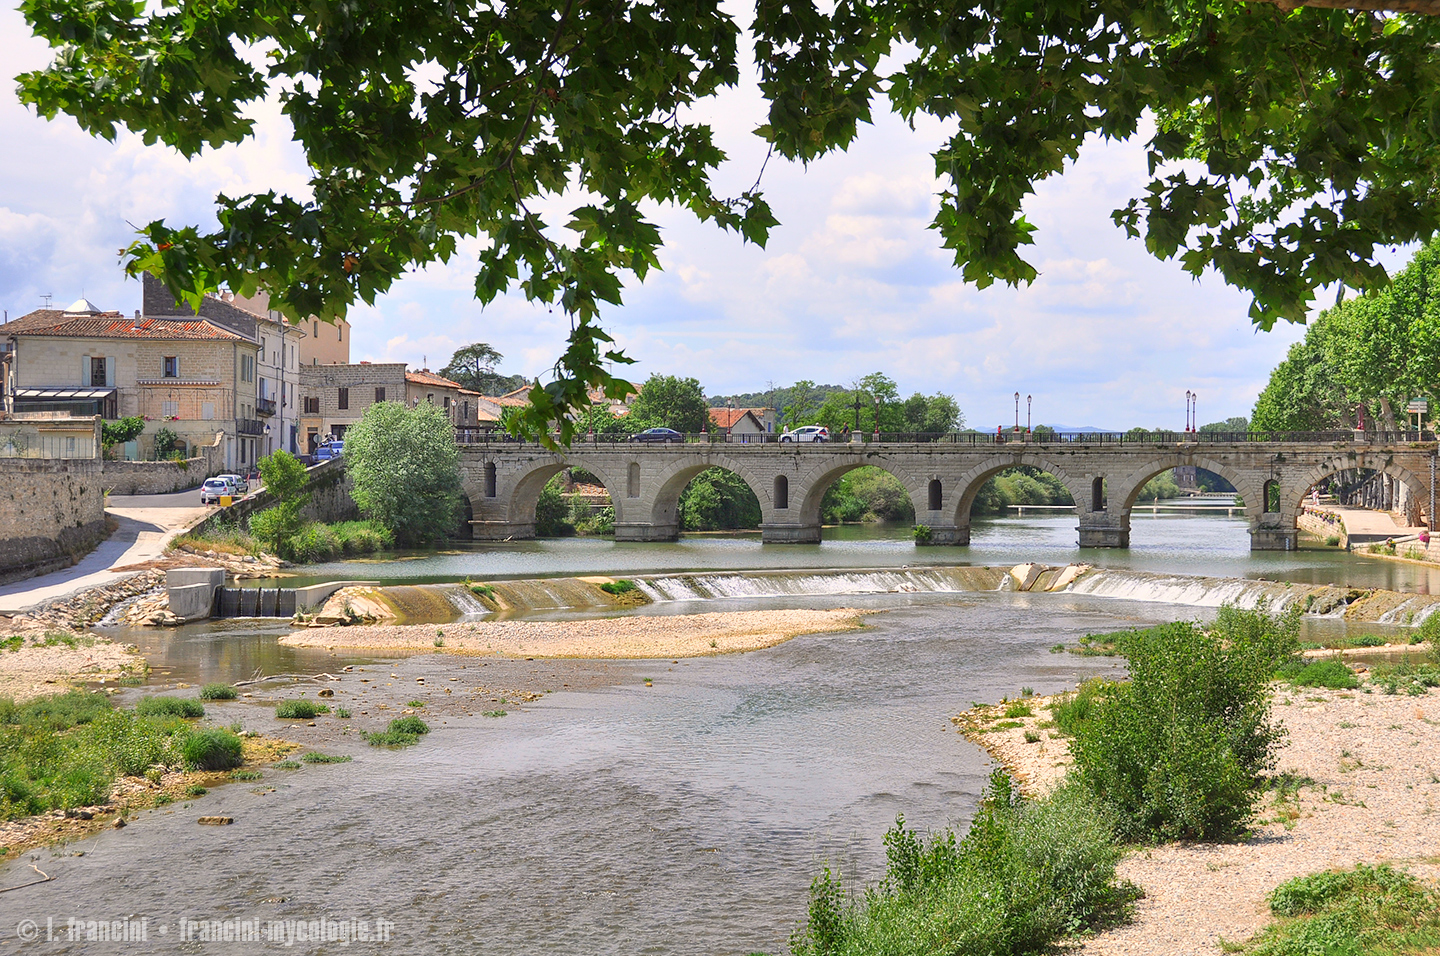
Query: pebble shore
pixel 613 638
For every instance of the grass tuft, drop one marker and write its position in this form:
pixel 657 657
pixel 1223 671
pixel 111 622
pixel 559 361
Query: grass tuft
pixel 300 710
pixel 218 692
pixel 170 707
pixel 212 750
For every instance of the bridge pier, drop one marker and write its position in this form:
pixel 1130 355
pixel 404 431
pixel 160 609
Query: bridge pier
pixel 789 533
pixel 1273 539
pixel 483 530
pixel 646 531
pixel 1106 533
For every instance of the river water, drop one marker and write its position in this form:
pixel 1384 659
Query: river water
pixel 686 817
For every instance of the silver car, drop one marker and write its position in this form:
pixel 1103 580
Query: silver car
pixel 214 489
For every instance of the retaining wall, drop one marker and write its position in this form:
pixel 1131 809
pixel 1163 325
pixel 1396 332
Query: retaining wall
pixel 330 500
pixel 52 511
pixel 164 477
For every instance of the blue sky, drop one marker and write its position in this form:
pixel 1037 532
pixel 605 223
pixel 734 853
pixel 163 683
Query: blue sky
pixel 852 282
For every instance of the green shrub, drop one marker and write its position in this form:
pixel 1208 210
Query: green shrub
pixel 619 587
pixel 212 750
pixel 170 707
pixel 362 537
pixel 311 544
pixel 1018 709
pixel 1329 673
pixel 401 732
pixel 1072 710
pixel 1026 874
pixel 923 534
pixel 1179 751
pixel 1364 910
pixel 218 692
pixel 314 757
pixel 277 526
pixel 300 710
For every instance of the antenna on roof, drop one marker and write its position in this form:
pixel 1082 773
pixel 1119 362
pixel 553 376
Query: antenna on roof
pixel 47 297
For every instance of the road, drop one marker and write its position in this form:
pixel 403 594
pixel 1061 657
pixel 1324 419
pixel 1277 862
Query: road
pixel 147 523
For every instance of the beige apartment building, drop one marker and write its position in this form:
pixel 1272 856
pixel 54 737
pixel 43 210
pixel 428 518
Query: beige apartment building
pixel 189 376
pixel 281 345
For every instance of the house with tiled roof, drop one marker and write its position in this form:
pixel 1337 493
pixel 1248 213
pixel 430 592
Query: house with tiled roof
pixel 739 421
pixel 186 375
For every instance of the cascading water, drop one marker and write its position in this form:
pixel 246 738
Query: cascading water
pixel 700 587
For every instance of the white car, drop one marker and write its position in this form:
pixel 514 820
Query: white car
pixel 240 483
pixel 807 433
pixel 214 489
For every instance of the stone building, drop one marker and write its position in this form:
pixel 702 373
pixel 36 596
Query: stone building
pixel 281 349
pixel 334 397
pixel 188 376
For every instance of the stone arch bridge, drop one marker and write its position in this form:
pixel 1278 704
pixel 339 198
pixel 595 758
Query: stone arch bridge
pixel 1103 473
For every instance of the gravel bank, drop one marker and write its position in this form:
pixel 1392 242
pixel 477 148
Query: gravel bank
pixel 614 638
pixel 39 668
pixel 1375 765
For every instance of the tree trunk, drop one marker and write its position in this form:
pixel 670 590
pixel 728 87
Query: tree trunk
pixel 1387 415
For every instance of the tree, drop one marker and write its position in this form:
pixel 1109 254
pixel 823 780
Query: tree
pixel 672 402
pixel 1238 423
pixel 120 431
pixel 1288 143
pixel 404 469
pixel 285 478
pixel 474 367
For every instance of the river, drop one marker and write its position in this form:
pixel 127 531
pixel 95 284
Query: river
pixel 685 817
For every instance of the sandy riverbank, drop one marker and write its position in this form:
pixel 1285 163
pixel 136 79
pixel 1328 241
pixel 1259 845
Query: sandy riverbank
pixel 1373 760
pixel 615 638
pixel 51 662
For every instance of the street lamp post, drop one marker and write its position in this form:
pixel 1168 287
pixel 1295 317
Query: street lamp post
pixel 1027 414
pixel 1017 411
pixel 1187 410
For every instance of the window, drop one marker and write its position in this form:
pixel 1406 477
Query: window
pixel 935 494
pixel 1097 494
pixel 379 393
pixel 207 411
pixel 339 332
pixel 247 368
pixel 97 372
pixel 170 409
pixel 312 405
pixel 782 493
pixel 315 329
pixel 344 400
pixel 170 366
pixel 447 403
pixel 489 479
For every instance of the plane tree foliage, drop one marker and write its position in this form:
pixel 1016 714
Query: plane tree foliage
pixel 1287 145
pixel 1369 352
pixel 474 367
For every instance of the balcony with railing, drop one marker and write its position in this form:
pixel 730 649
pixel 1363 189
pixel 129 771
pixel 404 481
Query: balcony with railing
pixel 265 406
pixel 249 426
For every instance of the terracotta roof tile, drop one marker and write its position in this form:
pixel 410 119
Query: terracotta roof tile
pixel 424 377
pixel 113 325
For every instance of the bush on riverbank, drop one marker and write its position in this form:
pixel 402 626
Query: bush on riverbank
pixel 213 750
pixel 1332 674
pixel 402 732
pixel 1027 873
pixel 1364 910
pixel 300 710
pixel 866 494
pixel 1021 485
pixel 170 707
pixel 1179 750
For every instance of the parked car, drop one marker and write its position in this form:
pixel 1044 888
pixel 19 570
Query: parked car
pixel 240 483
pixel 807 433
pixel 330 449
pixel 666 435
pixel 213 489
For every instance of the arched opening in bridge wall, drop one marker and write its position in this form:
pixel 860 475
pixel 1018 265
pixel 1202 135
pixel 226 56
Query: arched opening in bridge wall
pixel 782 493
pixel 632 480
pixel 935 494
pixel 1371 483
pixel 866 494
pixel 712 496
pixel 490 489
pixel 1003 491
pixel 559 499
pixel 1097 494
pixel 1152 494
pixel 1272 497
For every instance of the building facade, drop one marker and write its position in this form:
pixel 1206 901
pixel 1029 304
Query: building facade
pixel 189 378
pixel 334 397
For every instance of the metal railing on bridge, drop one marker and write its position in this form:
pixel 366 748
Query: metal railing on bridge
pixel 479 436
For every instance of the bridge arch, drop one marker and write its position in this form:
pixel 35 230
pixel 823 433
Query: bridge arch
pixel 974 478
pixel 1292 497
pixel 507 501
pixel 671 482
pixel 818 478
pixel 1251 485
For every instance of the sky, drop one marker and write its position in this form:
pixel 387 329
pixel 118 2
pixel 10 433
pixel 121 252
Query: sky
pixel 853 281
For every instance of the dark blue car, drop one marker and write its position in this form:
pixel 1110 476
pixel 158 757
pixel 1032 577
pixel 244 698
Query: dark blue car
pixel 667 435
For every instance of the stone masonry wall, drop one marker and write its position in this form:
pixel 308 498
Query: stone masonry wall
pixel 330 500
pixel 52 511
pixel 164 477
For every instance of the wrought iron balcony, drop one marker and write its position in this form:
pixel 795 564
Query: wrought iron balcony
pixel 265 406
pixel 249 426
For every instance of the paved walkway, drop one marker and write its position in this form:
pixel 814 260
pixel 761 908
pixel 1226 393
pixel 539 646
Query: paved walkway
pixel 1364 525
pixel 147 523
